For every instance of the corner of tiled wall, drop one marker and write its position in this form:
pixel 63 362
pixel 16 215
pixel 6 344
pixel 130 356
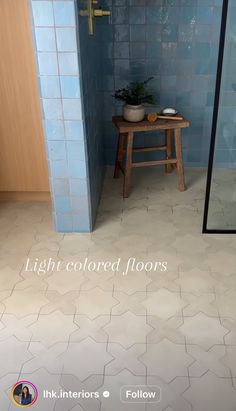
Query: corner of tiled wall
pixel 56 46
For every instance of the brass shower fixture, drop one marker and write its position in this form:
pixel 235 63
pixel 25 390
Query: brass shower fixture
pixel 91 12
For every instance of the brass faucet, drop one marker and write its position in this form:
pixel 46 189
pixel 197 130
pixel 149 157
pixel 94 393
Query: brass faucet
pixel 91 12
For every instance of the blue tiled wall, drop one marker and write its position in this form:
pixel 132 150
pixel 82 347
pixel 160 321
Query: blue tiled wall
pixel 55 32
pixel 176 42
pixel 91 64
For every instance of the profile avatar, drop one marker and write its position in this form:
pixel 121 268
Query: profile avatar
pixel 24 394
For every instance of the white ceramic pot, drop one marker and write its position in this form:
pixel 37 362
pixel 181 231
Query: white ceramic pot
pixel 133 114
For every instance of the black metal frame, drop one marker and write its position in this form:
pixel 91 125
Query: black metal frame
pixel 205 230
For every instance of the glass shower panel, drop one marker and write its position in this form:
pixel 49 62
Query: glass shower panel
pixel 220 212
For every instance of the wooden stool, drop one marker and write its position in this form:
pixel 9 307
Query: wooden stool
pixel 127 130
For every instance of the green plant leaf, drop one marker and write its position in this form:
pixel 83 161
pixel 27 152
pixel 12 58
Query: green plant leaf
pixel 135 93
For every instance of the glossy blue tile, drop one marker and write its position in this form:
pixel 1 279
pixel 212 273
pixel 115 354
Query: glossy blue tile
pixel 59 168
pixel 66 39
pixel 137 50
pixel 170 33
pixel 61 186
pixel 203 32
pixel 183 99
pixel 188 15
pixel 137 32
pixel 204 15
pixel 185 50
pixel 79 204
pixel 210 98
pixel 62 204
pixel 202 50
pixel 121 50
pixel 137 15
pixel 64 13
pixel 138 67
pixel 154 15
pixel 52 108
pixel 81 222
pixel 108 66
pixel 121 32
pixel 68 64
pixel 63 222
pixel 153 50
pixel 222 157
pixel 154 32
pixel 77 169
pixel 79 187
pixel 76 150
pixel 186 32
pixel 47 63
pixel 56 150
pixel 120 15
pixel 200 82
pixel 184 83
pixel 72 109
pixel 54 129
pixel 168 83
pixel 70 86
pixel 152 67
pixel 74 130
pixel 45 39
pixel 50 87
pixel 198 98
pixel 167 99
pixel 43 13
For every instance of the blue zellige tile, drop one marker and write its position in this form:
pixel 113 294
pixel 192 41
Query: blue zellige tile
pixel 50 86
pixel 56 150
pixel 54 129
pixel 63 222
pixel 45 39
pixel 64 13
pixel 68 63
pixel 66 39
pixel 60 186
pixel 70 87
pixel 43 13
pixel 77 169
pixel 72 109
pixel 74 130
pixel 52 108
pixel 79 187
pixel 75 150
pixel 47 64
pixel 62 204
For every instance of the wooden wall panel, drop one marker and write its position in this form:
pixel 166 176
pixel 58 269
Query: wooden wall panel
pixel 23 165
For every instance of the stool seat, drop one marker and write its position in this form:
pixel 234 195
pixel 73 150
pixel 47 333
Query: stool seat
pixel 126 132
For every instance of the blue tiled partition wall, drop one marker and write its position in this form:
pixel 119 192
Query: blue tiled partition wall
pixel 175 42
pixel 57 52
pixel 91 75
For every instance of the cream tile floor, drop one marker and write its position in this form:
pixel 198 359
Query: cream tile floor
pixel 100 331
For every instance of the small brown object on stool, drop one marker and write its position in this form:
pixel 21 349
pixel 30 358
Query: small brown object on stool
pixel 152 117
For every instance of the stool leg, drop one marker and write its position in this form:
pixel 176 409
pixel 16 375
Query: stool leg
pixel 128 164
pixel 119 154
pixel 180 166
pixel 168 167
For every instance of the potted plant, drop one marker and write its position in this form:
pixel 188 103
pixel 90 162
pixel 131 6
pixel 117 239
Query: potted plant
pixel 134 95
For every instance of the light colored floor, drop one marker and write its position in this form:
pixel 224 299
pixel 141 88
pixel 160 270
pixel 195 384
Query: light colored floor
pixel 100 331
